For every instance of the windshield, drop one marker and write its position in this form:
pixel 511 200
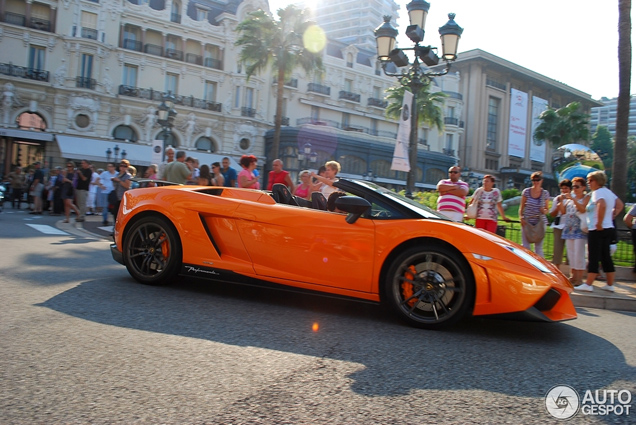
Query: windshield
pixel 412 205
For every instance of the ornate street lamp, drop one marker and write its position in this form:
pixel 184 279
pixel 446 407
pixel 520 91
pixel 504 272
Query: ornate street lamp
pixel 165 117
pixel 108 154
pixel 116 149
pixel 415 77
pixel 307 156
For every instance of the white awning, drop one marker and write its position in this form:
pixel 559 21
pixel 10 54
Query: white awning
pixel 137 153
pixel 26 134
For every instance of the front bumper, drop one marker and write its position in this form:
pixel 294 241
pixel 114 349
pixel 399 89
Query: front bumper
pixel 117 255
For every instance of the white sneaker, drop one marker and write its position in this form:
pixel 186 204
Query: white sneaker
pixel 607 287
pixel 584 287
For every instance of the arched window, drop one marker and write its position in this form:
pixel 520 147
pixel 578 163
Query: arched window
pixel 171 140
pixel 31 121
pixel 205 144
pixel 125 133
pixel 352 164
pixel 434 175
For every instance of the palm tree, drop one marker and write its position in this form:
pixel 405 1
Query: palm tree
pixel 428 104
pixel 619 166
pixel 562 126
pixel 279 44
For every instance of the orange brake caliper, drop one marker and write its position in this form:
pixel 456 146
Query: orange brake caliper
pixel 407 287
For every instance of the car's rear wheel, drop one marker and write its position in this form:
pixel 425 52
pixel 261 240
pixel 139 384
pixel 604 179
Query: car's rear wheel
pixel 152 251
pixel 430 287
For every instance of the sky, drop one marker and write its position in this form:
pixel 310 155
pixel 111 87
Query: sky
pixel 571 41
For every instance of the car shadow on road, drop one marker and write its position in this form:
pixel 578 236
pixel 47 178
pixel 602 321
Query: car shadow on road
pixel 507 357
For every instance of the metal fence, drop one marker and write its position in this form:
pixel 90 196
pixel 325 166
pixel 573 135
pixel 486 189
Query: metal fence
pixel 624 255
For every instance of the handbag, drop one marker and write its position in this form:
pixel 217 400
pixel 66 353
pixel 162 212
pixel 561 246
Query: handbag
pixel 583 217
pixel 112 197
pixel 471 211
pixel 535 232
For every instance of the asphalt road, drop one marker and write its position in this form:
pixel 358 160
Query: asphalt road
pixel 81 342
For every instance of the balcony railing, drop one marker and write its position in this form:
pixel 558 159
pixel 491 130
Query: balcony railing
pixel 24 72
pixel 174 54
pixel 284 120
pixel 378 103
pixel 292 82
pixel 213 63
pixel 89 33
pixel 153 49
pixel 450 152
pixel 131 44
pixel 248 112
pixel 347 95
pixel 15 19
pixel 195 59
pixel 175 17
pixel 319 88
pixel 451 121
pixel 495 84
pixel 156 95
pixel 85 83
pixel 40 24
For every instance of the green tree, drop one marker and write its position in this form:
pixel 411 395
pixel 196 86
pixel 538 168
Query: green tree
pixel 428 103
pixel 562 126
pixel 283 45
pixel 619 168
pixel 602 144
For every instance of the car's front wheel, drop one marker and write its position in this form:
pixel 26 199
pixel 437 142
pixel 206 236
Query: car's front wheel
pixel 152 251
pixel 430 287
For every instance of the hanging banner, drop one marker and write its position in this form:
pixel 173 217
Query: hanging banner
pixel 537 147
pixel 518 123
pixel 157 152
pixel 401 152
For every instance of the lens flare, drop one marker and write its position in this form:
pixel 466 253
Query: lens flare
pixel 314 39
pixel 315 327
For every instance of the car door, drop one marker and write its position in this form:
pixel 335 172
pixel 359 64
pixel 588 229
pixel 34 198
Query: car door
pixel 306 245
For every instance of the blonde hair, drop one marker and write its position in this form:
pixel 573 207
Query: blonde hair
pixel 333 165
pixel 599 177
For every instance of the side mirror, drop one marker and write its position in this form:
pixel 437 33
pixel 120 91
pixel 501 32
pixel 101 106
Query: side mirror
pixel 354 206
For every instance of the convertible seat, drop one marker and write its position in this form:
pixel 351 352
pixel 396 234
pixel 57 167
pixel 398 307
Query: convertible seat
pixel 318 201
pixel 282 195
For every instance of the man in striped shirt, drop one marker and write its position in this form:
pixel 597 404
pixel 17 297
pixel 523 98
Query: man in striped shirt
pixel 452 195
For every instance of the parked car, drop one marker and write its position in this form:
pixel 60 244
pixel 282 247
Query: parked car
pixel 384 248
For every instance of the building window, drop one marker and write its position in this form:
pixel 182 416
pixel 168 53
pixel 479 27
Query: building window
pixel 349 60
pixel 237 97
pixel 171 83
pixel 124 133
pixel 36 58
pixel 204 144
pixel 315 113
pixel 449 142
pixel 89 25
pixel 82 120
pixel 210 91
pixel 130 76
pixel 346 120
pixel 348 85
pixel 87 67
pixel 493 118
pixel 450 112
pixel 202 14
pixel 249 97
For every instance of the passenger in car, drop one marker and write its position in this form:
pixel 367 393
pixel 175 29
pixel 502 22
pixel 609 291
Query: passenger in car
pixel 331 202
pixel 332 168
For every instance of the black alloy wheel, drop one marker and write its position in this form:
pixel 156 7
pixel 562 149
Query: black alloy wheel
pixel 430 287
pixel 152 251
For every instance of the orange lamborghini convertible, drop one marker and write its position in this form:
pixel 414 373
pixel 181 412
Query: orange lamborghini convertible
pixel 384 247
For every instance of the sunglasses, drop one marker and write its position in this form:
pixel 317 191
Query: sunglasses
pixel 574 186
pixel 453 172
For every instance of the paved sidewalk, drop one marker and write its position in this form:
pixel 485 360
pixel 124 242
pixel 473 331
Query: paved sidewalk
pixel 623 299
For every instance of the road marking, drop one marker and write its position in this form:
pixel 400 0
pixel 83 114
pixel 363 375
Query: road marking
pixel 47 230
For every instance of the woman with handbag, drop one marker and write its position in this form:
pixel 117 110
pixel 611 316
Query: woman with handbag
pixel 532 210
pixel 486 202
pixel 570 206
pixel 602 208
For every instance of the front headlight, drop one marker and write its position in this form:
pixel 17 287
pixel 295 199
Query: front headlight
pixel 528 258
